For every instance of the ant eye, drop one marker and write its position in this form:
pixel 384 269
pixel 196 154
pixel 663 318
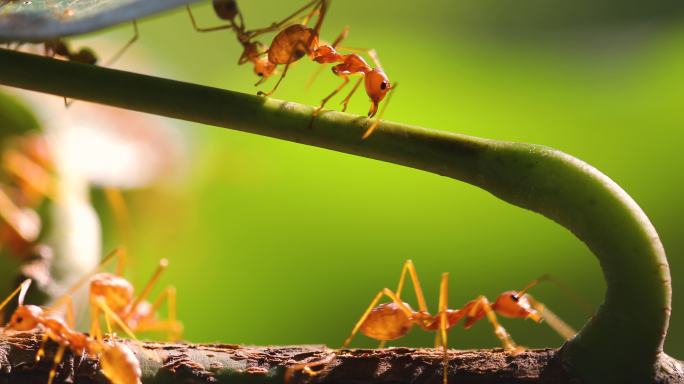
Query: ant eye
pixel 515 298
pixel 383 85
pixel 20 319
pixel 260 74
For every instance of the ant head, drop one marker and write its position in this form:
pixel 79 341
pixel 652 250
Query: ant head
pixel 24 318
pixel 264 68
pixel 225 9
pixel 377 86
pixel 515 304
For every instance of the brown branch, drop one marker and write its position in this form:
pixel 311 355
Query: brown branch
pixel 221 363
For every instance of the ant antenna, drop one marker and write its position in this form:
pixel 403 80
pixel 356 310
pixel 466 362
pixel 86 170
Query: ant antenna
pixel 375 124
pixel 533 283
pixel 21 290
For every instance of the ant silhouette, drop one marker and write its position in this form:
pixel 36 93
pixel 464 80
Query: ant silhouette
pixel 117 361
pixel 60 48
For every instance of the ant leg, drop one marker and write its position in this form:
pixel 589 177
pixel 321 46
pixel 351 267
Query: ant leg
pixel 171 324
pixel 411 269
pixel 20 290
pixel 555 322
pixel 260 93
pixel 128 44
pixel 58 358
pixel 116 201
pixel 500 332
pixel 443 323
pixel 277 25
pixel 68 303
pixel 382 344
pixel 163 263
pixel 345 102
pixel 99 302
pixel 345 80
pixel 41 348
pixel 209 29
pixel 387 292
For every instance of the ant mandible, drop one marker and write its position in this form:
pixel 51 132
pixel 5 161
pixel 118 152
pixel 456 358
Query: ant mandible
pixel 117 361
pixel 391 321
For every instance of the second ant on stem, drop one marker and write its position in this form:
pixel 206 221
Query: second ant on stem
pixel 298 40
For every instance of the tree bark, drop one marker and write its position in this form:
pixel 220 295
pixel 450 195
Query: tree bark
pixel 223 363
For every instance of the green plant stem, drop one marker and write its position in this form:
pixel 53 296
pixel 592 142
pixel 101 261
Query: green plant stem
pixel 621 343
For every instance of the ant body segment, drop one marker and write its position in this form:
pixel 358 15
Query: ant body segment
pixel 118 362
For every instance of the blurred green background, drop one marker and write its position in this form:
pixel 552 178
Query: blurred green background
pixel 277 243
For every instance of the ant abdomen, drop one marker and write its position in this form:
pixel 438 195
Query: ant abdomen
pixel 292 43
pixel 120 365
pixel 387 322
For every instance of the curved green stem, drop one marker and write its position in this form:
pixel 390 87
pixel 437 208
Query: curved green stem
pixel 621 343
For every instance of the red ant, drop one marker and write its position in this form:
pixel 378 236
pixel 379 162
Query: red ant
pixel 391 321
pixel 113 297
pixel 252 50
pixel 298 40
pixel 118 362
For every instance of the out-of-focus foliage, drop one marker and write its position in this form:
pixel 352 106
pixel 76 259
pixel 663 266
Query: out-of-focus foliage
pixel 15 118
pixel 275 243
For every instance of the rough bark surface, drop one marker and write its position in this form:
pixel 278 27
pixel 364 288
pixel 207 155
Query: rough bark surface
pixel 223 363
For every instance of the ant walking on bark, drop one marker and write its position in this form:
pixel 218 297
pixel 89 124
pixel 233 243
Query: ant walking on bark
pixel 393 320
pixel 117 361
